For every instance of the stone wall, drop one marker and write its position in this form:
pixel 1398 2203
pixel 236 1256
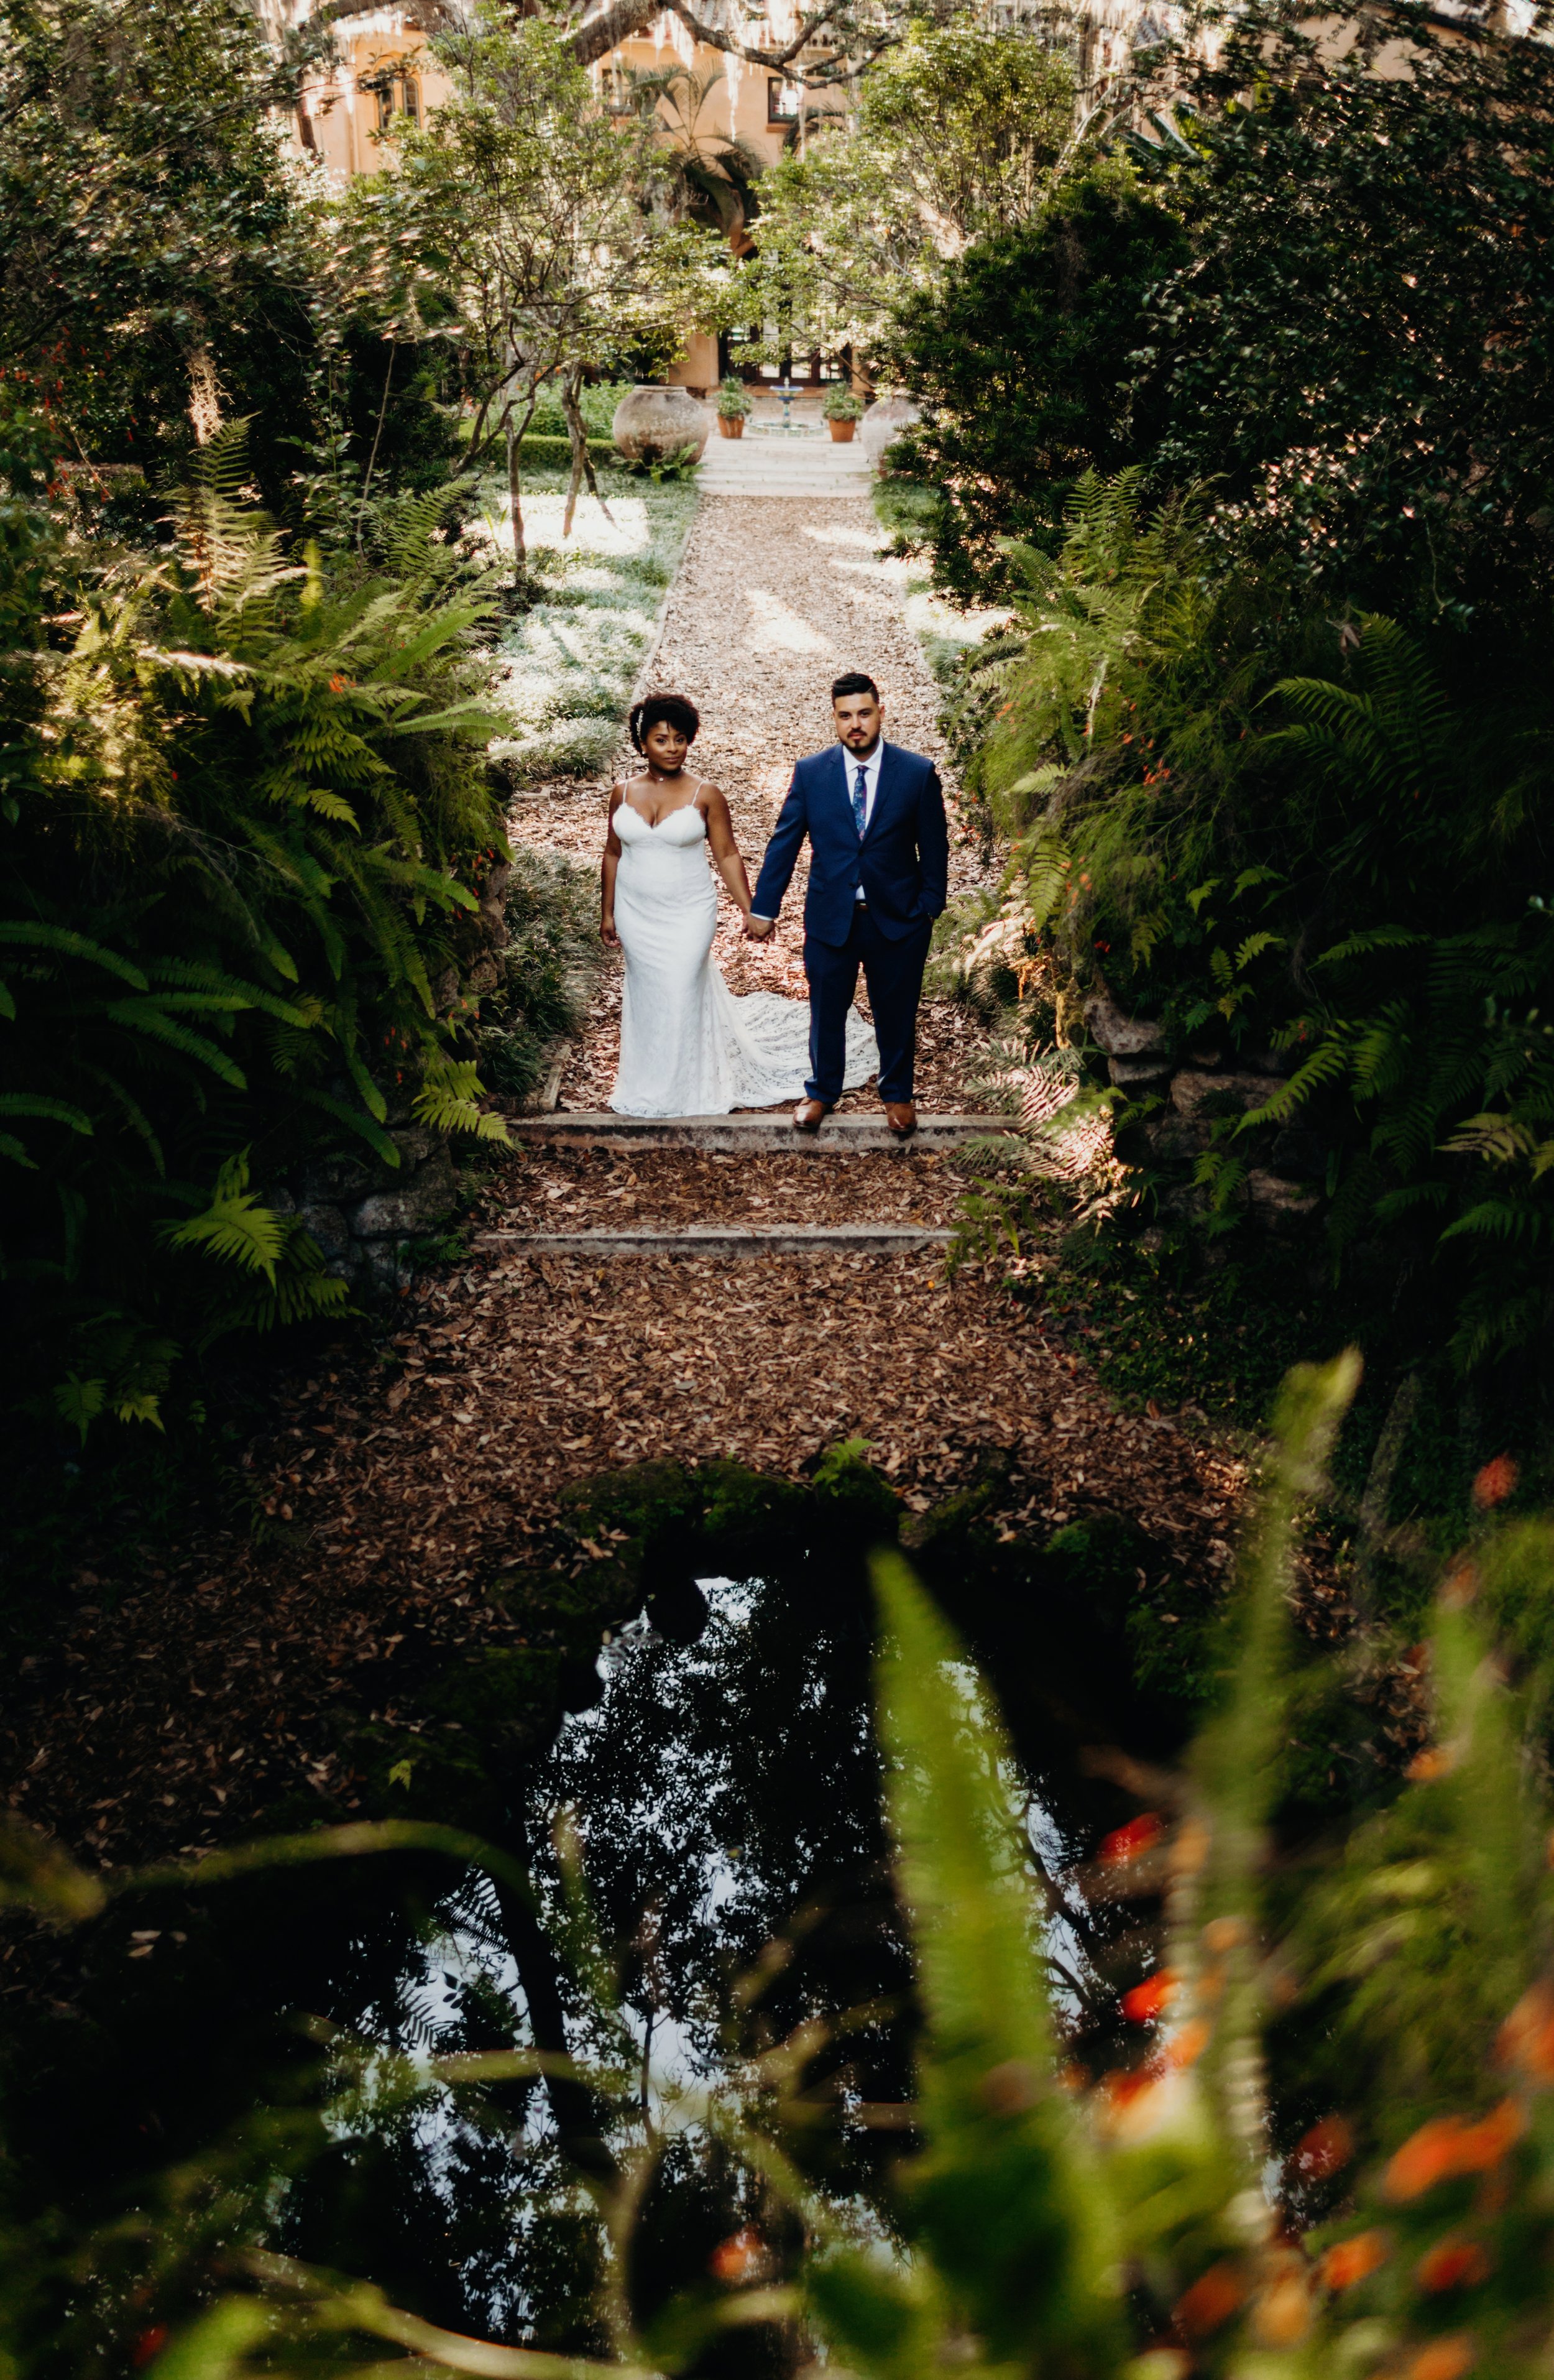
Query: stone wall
pixel 1284 1163
pixel 363 1212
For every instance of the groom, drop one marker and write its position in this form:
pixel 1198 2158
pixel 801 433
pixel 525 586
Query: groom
pixel 879 871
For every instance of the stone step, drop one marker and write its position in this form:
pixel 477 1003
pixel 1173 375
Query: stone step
pixel 772 468
pixel 724 1240
pixel 787 491
pixel 840 1136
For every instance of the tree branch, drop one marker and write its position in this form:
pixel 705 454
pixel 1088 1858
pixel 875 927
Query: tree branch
pixel 619 19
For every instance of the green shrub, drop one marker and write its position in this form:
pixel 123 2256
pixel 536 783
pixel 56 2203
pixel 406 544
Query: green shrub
pixel 247 822
pixel 1017 352
pixel 552 909
pixel 1269 837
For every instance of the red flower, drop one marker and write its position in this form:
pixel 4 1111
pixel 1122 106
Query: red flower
pixel 740 2257
pixel 1495 1482
pixel 1324 2150
pixel 1452 2265
pixel 1212 2300
pixel 1148 2000
pixel 1126 1842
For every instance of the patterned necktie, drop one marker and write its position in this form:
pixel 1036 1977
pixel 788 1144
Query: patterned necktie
pixel 860 798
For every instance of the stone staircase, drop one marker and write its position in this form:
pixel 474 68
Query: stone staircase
pixel 840 1136
pixel 773 465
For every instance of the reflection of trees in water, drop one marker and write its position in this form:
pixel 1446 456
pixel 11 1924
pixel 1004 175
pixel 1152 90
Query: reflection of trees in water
pixel 727 1796
pixel 728 1802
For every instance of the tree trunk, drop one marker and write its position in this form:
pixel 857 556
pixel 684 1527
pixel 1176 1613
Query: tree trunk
pixel 515 492
pixel 580 2119
pixel 582 461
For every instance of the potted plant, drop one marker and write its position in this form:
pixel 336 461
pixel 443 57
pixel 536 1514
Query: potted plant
pixel 733 407
pixel 843 410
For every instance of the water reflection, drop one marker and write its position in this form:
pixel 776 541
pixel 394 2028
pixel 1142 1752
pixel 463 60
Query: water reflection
pixel 724 1791
pixel 725 1794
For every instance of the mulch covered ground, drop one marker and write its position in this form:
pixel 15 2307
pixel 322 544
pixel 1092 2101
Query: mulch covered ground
pixel 578 1190
pixel 177 1707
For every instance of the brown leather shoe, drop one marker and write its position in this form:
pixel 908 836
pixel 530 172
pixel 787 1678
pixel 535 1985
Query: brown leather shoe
pixel 902 1118
pixel 809 1116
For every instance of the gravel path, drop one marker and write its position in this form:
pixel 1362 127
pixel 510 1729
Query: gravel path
pixel 773 600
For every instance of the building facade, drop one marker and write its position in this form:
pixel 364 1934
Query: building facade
pixel 730 109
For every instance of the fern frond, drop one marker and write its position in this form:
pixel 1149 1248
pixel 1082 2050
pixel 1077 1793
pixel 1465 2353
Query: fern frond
pixel 447 1101
pixel 32 1103
pixel 234 1227
pixel 1324 1066
pixel 68 944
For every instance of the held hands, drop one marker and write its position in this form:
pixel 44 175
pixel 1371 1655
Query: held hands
pixel 757 929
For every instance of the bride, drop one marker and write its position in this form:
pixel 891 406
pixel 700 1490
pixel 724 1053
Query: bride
pixel 689 1046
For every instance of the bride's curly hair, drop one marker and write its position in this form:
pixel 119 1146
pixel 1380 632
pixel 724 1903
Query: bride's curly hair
pixel 672 709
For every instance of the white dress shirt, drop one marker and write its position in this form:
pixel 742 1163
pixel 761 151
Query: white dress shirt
pixel 870 767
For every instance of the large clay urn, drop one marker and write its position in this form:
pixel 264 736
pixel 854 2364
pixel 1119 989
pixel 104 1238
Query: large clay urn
pixel 884 422
pixel 652 423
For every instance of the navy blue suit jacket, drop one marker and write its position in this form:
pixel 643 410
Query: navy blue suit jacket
pixel 902 862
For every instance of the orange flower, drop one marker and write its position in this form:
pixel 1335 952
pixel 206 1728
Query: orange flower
pixel 1493 2137
pixel 1147 1999
pixel 1123 2084
pixel 1495 1482
pixel 1281 2316
pixel 741 2257
pixel 1212 2300
pixel 1448 2145
pixel 1427 2157
pixel 1444 2359
pixel 1324 2150
pixel 1187 2044
pixel 1348 2262
pixel 1190 1849
pixel 1452 2265
pixel 1125 1843
pixel 1527 2038
pixel 1427 1767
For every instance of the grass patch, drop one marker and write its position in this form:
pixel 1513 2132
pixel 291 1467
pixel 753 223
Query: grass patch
pixel 568 664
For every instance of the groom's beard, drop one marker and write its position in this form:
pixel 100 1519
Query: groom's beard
pixel 862 751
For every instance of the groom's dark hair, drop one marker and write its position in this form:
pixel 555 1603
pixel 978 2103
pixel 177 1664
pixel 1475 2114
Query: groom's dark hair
pixel 672 709
pixel 855 682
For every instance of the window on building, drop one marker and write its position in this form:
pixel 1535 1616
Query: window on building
pixel 618 90
pixel 782 100
pixel 398 94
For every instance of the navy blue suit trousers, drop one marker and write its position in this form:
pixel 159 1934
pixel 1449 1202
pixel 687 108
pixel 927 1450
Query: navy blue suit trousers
pixel 893 968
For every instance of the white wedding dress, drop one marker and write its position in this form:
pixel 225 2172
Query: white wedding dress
pixel 689 1046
